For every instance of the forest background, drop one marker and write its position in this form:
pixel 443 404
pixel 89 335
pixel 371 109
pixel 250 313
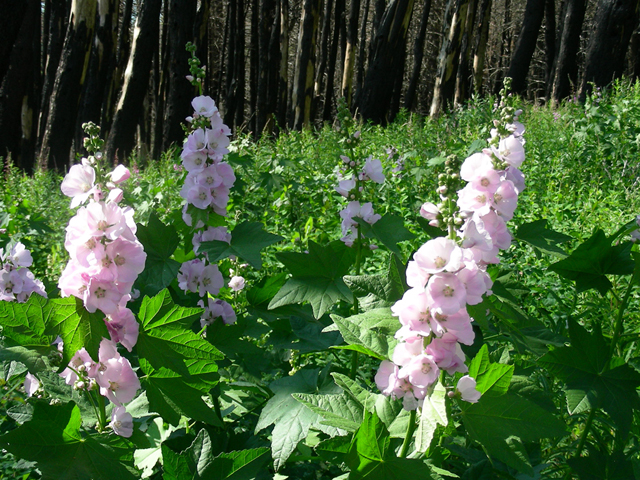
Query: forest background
pixel 282 64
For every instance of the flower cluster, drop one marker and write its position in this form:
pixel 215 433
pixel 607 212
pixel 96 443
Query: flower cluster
pixel 206 187
pixel 352 176
pixel 112 375
pixel 16 280
pixel 449 273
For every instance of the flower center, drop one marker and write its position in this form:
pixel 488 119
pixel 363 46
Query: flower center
pixel 100 292
pixel 440 262
pixel 448 291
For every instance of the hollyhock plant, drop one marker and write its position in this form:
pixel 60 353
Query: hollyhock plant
pixel 449 273
pixel 17 283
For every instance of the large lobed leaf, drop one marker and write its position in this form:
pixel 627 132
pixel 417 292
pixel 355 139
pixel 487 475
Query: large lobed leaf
pixel 544 239
pixel 389 230
pixel 371 333
pixel 316 277
pixel 381 290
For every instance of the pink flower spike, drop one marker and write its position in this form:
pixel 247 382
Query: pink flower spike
pixel 121 422
pixel 467 389
pixel 438 255
pixel 204 106
pixel 79 184
pixel 120 174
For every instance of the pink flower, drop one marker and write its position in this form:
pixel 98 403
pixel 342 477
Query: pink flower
pixel 467 389
pixel 447 292
pixel 117 380
pixel 119 174
pixel 204 106
pixel 430 212
pixel 439 255
pixel 80 362
pixel 31 384
pixel 121 422
pixel 236 283
pixel 211 281
pixel 199 196
pixel 79 184
pixel 217 308
pixel 373 170
pixel 345 186
pixel 123 327
pixel 421 371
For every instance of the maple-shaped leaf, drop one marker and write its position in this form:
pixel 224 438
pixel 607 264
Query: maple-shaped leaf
pixel 24 323
pixel 166 339
pixel 316 277
pixel 247 240
pixel 52 438
pixel 389 231
pixel 380 290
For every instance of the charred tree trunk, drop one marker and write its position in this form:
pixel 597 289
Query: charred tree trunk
pixel 361 59
pixel 526 45
pixel 387 62
pixel 19 90
pixel 253 69
pixel 350 51
pixel 549 40
pixel 505 46
pixel 615 22
pixel 635 55
pixel 118 63
pixel 284 64
pixel 230 104
pixel 331 66
pixel 318 86
pixel 70 76
pixel 179 90
pixel 444 88
pixel 201 37
pixel 99 65
pixel 121 140
pixel 268 62
pixel 305 65
pixel 566 64
pixel 14 10
pixel 418 55
pixel 239 74
pixel 462 76
pixel 160 75
pixel 480 47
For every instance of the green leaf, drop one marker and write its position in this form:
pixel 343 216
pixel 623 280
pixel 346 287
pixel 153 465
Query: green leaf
pixel 52 438
pixel 340 411
pixel 165 339
pixel 317 277
pixel 291 419
pixel 594 380
pixel 159 242
pixel 382 290
pixel 247 240
pixel 544 239
pixel 389 230
pixel 147 458
pixel 34 359
pixel 502 423
pixel 491 378
pixel 24 323
pixel 589 264
pixel 77 327
pixel 199 462
pixel 371 456
pixel 434 413
pixel 373 331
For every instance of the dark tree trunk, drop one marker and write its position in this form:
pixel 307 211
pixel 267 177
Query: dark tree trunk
pixel 179 90
pixel 418 55
pixel 361 58
pixel 635 55
pixel 387 62
pixel 268 62
pixel 480 47
pixel 65 96
pixel 378 12
pixel 505 46
pixel 239 74
pixel 118 62
pixel 303 76
pixel 462 76
pixel 99 65
pixel 526 45
pixel 19 90
pixel 566 64
pixel 329 99
pixel 253 69
pixel 14 10
pixel 284 64
pixel 318 87
pixel 56 28
pixel 230 104
pixel 453 29
pixel 615 22
pixel 201 37
pixel 161 76
pixel 549 40
pixel 121 140
pixel 350 51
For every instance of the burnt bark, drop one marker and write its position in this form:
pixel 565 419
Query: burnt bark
pixel 549 40
pixel 361 59
pixel 526 45
pixel 10 30
pixel 19 90
pixel 325 36
pixel 350 51
pixel 329 100
pixel 121 140
pixel 615 22
pixel 462 76
pixel 283 81
pixel 387 62
pixel 418 55
pixel 70 75
pixel 179 91
pixel 566 64
pixel 480 46
pixel 305 65
pixel 268 61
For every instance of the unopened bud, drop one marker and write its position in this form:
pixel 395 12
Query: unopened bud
pixel 189 77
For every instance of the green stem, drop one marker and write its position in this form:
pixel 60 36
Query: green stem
pixel 102 417
pixel 354 365
pixel 617 331
pixel 409 435
pixel 15 386
pixel 585 432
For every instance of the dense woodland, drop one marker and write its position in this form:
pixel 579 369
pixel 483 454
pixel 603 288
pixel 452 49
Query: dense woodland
pixel 283 64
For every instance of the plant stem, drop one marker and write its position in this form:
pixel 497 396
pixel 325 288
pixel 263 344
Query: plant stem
pixel 585 432
pixel 409 435
pixel 102 412
pixel 617 331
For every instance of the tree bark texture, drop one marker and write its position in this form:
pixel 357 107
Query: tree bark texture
pixel 268 62
pixel 121 139
pixel 304 74
pixel 283 73
pixel 615 22
pixel 387 62
pixel 566 64
pixel 418 55
pixel 462 75
pixel 549 39
pixel 526 45
pixel 350 51
pixel 480 47
pixel 70 77
pixel 329 100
